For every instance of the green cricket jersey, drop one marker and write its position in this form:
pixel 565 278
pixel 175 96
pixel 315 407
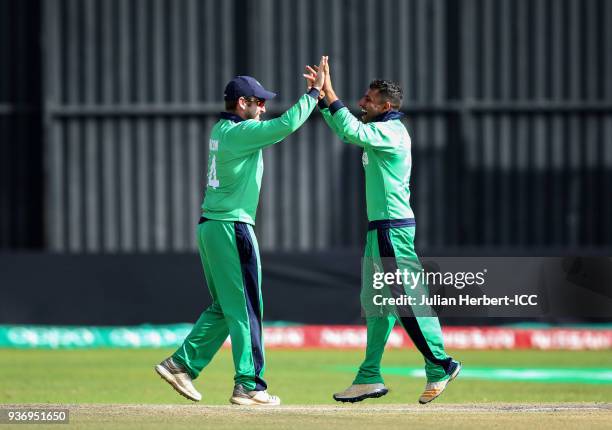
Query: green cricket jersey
pixel 386 160
pixel 235 162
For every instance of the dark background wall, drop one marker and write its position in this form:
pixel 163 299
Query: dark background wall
pixel 105 108
pixel 169 288
pixel 21 138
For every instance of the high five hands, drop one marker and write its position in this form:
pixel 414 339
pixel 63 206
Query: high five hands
pixel 322 70
pixel 316 78
pixel 311 75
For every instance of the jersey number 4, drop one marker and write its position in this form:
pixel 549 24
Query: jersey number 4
pixel 212 173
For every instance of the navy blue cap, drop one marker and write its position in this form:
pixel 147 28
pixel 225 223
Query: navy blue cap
pixel 246 86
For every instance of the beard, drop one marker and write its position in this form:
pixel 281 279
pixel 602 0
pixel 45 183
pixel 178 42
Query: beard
pixel 251 115
pixel 365 118
pixel 254 114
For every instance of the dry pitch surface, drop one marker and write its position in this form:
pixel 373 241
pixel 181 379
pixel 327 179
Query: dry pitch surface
pixel 101 388
pixel 356 416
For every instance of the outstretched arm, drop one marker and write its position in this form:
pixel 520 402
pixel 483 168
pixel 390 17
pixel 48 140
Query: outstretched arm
pixel 346 126
pixel 250 136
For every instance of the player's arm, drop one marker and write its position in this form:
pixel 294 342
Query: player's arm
pixel 250 135
pixel 351 130
pixel 327 117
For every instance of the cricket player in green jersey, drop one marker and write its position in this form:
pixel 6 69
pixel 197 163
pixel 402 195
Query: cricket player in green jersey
pixel 227 244
pixel 390 238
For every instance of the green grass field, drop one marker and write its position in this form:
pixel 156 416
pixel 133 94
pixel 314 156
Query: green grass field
pixel 302 377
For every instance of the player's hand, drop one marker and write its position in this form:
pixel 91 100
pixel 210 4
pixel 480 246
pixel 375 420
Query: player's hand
pixel 311 76
pixel 327 85
pixel 330 94
pixel 319 79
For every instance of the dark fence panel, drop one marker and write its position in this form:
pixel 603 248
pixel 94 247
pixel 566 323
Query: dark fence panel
pixel 319 287
pixel 133 289
pixel 21 166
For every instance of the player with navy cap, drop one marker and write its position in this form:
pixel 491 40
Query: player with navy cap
pixel 227 243
pixel 246 86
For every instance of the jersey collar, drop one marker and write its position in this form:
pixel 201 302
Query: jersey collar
pixel 231 116
pixel 387 116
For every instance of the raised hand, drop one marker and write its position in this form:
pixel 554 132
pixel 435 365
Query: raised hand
pixel 310 77
pixel 320 78
pixel 327 86
pixel 315 78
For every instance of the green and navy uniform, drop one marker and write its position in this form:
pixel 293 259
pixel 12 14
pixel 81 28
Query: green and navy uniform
pixel 228 246
pixel 390 239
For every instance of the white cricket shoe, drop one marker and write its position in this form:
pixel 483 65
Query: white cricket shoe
pixel 359 392
pixel 434 389
pixel 242 397
pixel 177 376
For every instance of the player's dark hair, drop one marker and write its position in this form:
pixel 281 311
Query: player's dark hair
pixel 389 91
pixel 230 105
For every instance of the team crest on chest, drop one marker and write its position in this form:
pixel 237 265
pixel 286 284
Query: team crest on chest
pixel 364 159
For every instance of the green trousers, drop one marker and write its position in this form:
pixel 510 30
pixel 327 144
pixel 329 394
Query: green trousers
pixel 388 249
pixel 230 257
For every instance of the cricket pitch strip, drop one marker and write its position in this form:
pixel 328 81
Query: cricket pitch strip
pixel 351 416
